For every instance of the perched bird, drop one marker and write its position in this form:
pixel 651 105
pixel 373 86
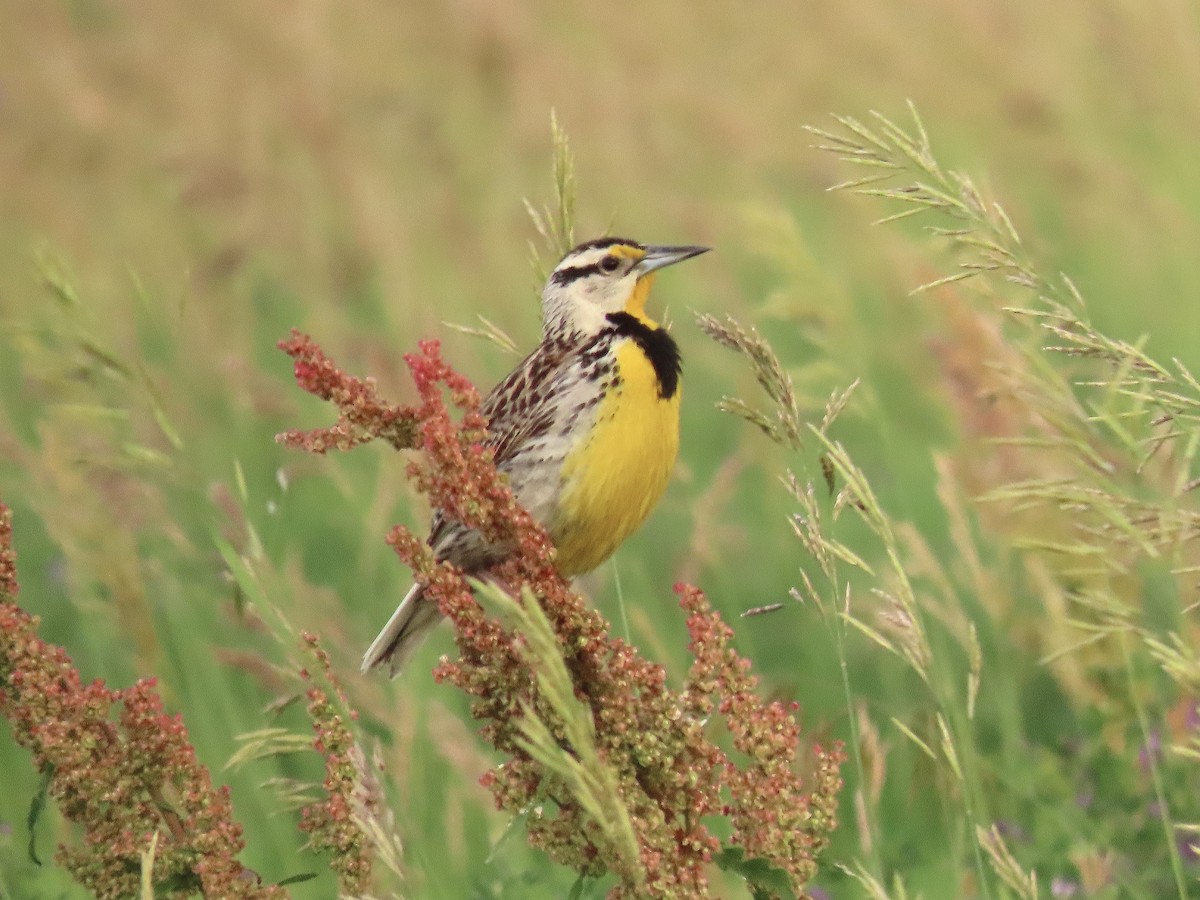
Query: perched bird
pixel 586 428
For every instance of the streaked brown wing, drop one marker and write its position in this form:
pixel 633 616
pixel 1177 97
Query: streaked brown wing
pixel 517 412
pixel 517 409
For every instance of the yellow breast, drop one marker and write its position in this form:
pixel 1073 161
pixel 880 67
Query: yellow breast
pixel 612 480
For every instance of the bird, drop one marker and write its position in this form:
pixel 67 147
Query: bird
pixel 586 427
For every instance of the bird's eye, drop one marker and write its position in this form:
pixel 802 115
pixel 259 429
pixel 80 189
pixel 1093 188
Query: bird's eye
pixel 609 264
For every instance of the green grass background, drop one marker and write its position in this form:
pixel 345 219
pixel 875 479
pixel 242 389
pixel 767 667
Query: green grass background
pixel 194 180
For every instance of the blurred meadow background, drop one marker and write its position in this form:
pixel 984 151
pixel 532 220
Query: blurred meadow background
pixel 182 184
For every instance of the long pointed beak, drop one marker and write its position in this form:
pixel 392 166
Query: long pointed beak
pixel 661 257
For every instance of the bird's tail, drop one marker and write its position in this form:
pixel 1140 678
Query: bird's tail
pixel 413 619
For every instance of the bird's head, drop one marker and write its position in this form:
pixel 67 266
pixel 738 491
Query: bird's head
pixel 601 277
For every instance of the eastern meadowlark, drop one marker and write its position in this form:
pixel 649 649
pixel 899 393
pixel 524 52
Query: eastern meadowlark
pixel 586 428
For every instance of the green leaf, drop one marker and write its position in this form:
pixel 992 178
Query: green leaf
pixel 36 805
pixel 765 881
pixel 297 879
pixel 577 889
pixel 187 883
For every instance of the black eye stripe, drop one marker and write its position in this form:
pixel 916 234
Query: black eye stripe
pixel 607 265
pixel 572 273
